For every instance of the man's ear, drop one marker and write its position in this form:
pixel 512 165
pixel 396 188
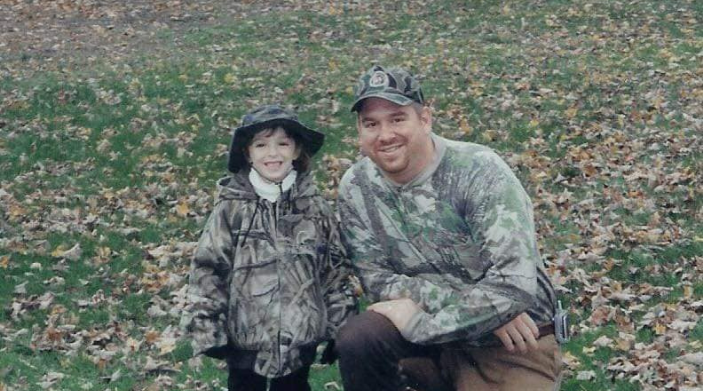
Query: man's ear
pixel 426 119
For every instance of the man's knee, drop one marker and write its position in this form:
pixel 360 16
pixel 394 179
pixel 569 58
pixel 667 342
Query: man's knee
pixel 364 333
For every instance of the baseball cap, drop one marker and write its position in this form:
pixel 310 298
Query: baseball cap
pixel 393 84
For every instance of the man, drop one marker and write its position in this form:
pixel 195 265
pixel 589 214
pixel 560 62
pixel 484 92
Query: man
pixel 442 237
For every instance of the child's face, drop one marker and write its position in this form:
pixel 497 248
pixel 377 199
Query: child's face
pixel 271 153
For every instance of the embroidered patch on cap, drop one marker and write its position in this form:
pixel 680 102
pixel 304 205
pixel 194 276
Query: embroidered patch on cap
pixel 379 79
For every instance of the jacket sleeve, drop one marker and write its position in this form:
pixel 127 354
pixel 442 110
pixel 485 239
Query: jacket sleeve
pixel 374 266
pixel 338 294
pixel 205 316
pixel 503 219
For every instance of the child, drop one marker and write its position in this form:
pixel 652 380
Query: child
pixel 269 279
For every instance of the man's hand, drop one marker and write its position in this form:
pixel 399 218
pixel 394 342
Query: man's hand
pixel 521 332
pixel 399 312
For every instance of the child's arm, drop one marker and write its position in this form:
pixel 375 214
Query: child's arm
pixel 339 296
pixel 205 316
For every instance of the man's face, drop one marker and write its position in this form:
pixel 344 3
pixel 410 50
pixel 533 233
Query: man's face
pixel 396 138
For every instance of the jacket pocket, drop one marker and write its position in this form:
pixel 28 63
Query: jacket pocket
pixel 302 301
pixel 255 304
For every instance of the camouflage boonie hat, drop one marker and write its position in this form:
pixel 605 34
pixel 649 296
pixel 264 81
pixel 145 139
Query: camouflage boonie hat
pixel 268 117
pixel 393 84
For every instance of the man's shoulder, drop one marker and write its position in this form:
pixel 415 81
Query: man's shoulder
pixel 467 150
pixel 467 155
pixel 359 171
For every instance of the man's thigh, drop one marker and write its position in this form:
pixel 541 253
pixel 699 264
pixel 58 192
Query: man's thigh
pixel 496 369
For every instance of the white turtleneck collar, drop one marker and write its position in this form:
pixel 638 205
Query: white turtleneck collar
pixel 271 190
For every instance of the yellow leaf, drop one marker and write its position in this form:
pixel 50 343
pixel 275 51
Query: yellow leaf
pixel 60 250
pixel 589 350
pixel 571 112
pixel 230 78
pixel 104 252
pixel 84 132
pixel 659 329
pixel 570 360
pixel 16 211
pixel 182 209
pixel 687 290
pixel 152 336
pixel 4 261
pixel 167 346
pixel 464 127
pixel 624 344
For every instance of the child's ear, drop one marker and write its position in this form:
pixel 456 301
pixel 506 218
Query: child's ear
pixel 298 150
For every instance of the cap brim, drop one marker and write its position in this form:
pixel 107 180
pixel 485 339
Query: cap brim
pixel 395 98
pixel 312 139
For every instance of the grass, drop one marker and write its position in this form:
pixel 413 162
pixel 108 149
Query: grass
pixel 102 156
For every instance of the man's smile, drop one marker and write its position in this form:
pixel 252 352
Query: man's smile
pixel 389 149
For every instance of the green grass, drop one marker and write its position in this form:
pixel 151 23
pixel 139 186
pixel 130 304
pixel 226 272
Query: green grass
pixel 580 92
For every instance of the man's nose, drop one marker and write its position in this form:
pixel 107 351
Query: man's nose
pixel 385 133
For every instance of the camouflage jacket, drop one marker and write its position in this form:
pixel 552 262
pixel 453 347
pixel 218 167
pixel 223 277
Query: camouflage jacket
pixel 459 240
pixel 268 279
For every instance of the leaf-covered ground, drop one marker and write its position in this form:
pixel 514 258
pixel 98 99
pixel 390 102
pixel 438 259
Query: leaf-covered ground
pixel 115 119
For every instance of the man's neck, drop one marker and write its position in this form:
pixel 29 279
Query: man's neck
pixel 428 167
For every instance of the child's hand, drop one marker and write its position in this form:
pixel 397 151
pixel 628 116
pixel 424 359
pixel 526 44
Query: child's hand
pixel 218 352
pixel 329 355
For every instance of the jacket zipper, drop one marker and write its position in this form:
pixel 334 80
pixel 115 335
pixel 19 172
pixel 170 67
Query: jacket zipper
pixel 276 213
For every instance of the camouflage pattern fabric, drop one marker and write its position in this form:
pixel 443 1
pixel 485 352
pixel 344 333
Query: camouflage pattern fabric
pixel 459 240
pixel 394 84
pixel 269 278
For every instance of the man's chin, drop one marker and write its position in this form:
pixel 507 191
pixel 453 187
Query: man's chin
pixel 391 170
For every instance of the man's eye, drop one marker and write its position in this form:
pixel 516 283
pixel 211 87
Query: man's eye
pixel 396 120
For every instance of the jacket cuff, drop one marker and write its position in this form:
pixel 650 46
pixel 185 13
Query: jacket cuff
pixel 412 328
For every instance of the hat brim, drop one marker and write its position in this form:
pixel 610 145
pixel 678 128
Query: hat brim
pixel 395 98
pixel 312 140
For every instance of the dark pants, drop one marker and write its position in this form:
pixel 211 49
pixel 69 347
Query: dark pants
pixel 248 380
pixel 374 356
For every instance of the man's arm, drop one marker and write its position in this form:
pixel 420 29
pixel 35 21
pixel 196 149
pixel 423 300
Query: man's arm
pixel 371 263
pixel 500 215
